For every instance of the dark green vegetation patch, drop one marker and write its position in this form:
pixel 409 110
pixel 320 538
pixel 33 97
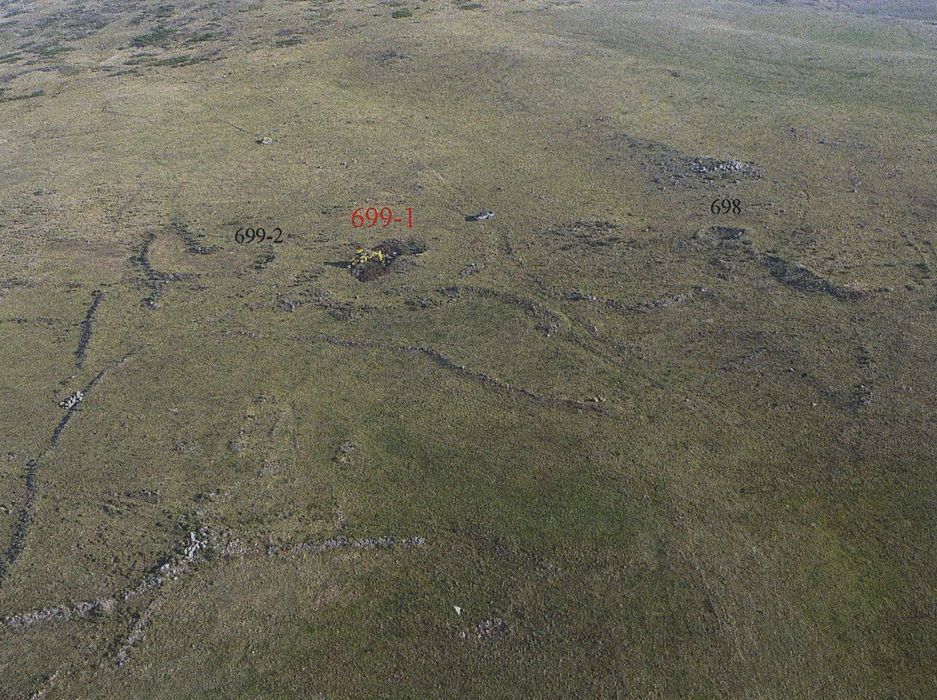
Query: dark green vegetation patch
pixel 157 37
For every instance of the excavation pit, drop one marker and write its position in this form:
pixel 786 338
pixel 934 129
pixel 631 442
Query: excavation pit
pixel 370 264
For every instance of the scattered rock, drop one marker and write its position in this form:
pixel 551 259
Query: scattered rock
pixel 680 167
pixel 150 496
pixel 270 467
pixel 708 166
pixel 263 260
pixel 728 233
pixel 654 304
pixel 493 628
pixel 239 443
pixel 212 496
pixel 391 56
pixel 343 452
pixel 488 630
pixel 72 401
pixel 471 269
pixel 420 303
pixel 863 395
pixel 82 610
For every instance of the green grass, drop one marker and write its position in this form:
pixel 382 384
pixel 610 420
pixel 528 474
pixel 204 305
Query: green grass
pixel 401 14
pixel 176 61
pixel 26 96
pixel 157 37
pixel 750 517
pixel 52 51
pixel 205 36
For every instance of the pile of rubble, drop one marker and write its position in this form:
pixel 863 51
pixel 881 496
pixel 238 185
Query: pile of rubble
pixel 486 630
pixel 680 167
pixel 724 168
pixel 72 401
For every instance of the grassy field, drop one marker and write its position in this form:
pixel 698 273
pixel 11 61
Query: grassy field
pixel 605 444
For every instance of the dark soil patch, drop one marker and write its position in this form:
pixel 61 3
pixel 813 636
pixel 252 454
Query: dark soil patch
pixel 192 241
pixel 392 250
pixel 734 247
pixel 23 521
pixel 87 328
pixel 263 260
pixel 151 278
pixel 799 277
pixel 142 258
pixel 391 56
pixel 63 423
pixel 863 395
pixel 154 279
pixel 663 162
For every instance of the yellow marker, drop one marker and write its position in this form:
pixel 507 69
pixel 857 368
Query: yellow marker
pixel 363 255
